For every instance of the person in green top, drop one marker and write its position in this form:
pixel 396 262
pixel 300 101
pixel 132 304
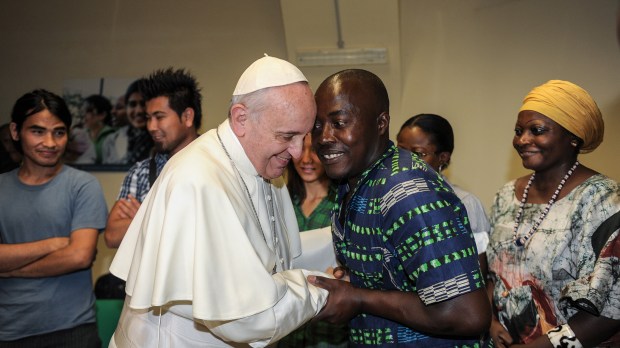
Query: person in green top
pixel 97 121
pixel 313 195
pixel 312 192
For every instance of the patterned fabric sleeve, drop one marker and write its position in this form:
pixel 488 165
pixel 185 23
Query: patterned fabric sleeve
pixel 136 182
pixel 597 289
pixel 128 186
pixel 426 225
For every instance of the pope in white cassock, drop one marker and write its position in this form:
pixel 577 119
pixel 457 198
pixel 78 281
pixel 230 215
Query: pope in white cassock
pixel 208 257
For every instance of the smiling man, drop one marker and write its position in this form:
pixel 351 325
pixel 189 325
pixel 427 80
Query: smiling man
pixel 399 230
pixel 130 143
pixel 207 260
pixel 50 217
pixel 173 117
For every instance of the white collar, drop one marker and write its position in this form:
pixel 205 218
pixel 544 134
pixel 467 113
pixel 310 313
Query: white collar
pixel 235 149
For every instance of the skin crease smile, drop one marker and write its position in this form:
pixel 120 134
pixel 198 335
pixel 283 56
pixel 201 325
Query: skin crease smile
pixel 307 168
pixel 332 156
pixel 527 153
pixel 284 160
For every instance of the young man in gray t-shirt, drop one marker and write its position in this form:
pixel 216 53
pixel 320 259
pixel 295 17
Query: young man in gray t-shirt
pixel 50 217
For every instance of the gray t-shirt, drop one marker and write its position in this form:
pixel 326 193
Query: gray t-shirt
pixel 70 201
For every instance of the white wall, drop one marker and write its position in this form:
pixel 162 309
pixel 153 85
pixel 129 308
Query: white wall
pixel 44 43
pixel 471 61
pixel 47 42
pixel 364 23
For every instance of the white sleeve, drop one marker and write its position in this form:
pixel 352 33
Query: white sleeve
pixel 478 221
pixel 300 303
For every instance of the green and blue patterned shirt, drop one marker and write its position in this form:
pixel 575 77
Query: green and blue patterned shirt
pixel 405 229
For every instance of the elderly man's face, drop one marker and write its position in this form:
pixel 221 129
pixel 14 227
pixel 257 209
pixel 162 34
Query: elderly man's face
pixel 275 135
pixel 346 131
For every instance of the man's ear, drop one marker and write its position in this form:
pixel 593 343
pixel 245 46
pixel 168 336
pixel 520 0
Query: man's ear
pixel 239 119
pixel 383 123
pixel 14 132
pixel 187 118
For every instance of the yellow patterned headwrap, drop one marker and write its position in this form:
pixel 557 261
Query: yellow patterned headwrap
pixel 571 107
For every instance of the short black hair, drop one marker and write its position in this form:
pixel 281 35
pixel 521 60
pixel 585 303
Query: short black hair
pixel 369 80
pixel 35 102
pixel 179 86
pixel 101 105
pixel 133 88
pixel 437 127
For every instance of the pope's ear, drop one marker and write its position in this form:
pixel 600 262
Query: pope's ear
pixel 238 119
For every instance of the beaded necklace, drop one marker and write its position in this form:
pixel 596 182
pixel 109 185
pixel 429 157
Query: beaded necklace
pixel 521 241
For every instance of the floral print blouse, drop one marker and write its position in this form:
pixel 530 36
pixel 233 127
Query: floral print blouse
pixel 571 262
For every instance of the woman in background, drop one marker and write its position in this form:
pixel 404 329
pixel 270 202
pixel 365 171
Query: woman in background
pixel 132 142
pixel 313 196
pixel 554 244
pixel 311 190
pixel 430 136
pixel 96 110
pixel 10 157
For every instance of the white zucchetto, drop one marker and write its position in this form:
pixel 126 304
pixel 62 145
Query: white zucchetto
pixel 268 72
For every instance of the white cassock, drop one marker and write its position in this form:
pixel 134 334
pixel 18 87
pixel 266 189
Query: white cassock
pixel 199 266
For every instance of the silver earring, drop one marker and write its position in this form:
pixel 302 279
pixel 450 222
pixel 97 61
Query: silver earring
pixel 574 143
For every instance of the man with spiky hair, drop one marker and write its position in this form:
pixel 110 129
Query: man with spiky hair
pixel 174 115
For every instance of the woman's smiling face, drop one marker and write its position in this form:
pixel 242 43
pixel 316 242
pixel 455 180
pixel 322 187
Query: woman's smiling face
pixel 541 142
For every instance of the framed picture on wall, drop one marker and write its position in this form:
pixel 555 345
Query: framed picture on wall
pixel 108 132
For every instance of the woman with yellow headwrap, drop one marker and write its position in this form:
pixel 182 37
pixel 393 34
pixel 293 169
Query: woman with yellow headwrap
pixel 554 251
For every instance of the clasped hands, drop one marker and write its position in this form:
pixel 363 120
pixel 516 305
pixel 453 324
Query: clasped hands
pixel 344 301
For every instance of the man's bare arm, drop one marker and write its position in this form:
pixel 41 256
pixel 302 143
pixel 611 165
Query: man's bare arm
pixel 14 256
pixel 443 318
pixel 78 254
pixel 119 219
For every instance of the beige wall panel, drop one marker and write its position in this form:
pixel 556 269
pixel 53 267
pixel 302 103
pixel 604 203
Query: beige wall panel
pixel 471 61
